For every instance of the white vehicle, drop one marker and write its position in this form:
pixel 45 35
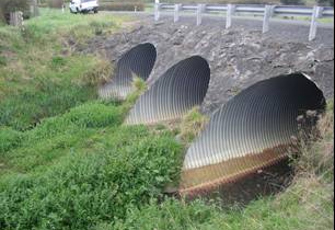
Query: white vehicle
pixel 83 6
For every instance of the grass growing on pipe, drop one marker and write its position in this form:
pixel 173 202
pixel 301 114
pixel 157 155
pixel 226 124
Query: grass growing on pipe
pixel 140 86
pixel 136 62
pixel 192 124
pixel 179 89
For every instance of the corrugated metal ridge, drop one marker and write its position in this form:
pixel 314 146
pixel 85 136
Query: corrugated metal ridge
pixel 138 61
pixel 263 117
pixel 180 88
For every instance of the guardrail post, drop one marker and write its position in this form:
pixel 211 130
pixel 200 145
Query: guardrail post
pixel 230 12
pixel 16 19
pixel 268 12
pixel 317 11
pixel 177 8
pixel 157 10
pixel 201 8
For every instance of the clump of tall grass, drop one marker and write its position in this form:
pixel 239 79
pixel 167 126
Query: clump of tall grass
pixel 25 151
pixel 139 87
pixel 192 124
pixel 9 139
pixel 315 147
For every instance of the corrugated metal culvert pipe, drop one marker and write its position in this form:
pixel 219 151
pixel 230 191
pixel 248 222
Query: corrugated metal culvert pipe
pixel 137 62
pixel 251 131
pixel 179 89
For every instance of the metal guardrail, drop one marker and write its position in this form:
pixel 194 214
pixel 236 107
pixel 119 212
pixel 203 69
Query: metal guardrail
pixel 267 11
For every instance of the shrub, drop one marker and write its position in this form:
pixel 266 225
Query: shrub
pixel 121 6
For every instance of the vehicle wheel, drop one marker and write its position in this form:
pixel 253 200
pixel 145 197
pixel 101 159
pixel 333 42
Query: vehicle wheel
pixel 95 11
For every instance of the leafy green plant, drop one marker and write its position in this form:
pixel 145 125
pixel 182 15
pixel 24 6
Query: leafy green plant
pixel 88 187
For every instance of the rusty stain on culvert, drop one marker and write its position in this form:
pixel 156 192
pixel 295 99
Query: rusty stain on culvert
pixel 209 177
pixel 251 131
pixel 179 89
pixel 137 62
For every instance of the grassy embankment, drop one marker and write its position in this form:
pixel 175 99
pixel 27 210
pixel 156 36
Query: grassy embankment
pixel 67 162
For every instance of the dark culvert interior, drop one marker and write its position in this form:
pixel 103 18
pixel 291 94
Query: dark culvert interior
pixel 137 62
pixel 250 132
pixel 180 88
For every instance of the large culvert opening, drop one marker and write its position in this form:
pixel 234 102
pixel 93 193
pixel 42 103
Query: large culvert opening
pixel 252 131
pixel 137 62
pixel 179 89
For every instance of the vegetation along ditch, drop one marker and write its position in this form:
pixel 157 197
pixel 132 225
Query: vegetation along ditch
pixel 75 156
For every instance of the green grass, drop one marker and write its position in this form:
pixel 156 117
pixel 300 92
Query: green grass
pixel 35 147
pixel 82 168
pixel 66 162
pixel 40 75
